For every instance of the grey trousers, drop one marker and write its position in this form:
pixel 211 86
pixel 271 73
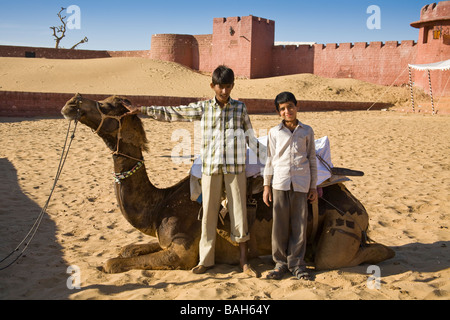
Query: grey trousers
pixel 290 214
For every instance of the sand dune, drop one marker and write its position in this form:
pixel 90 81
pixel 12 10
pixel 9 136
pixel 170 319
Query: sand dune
pixel 139 76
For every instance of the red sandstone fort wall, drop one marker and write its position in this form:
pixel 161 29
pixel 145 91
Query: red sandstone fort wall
pixel 263 35
pixel 292 59
pixel 52 53
pixel 375 62
pixel 231 44
pixel 41 104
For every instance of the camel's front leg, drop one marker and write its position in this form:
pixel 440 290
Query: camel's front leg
pixel 176 256
pixel 134 250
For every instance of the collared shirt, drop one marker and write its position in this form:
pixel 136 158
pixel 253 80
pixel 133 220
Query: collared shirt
pixel 291 158
pixel 224 132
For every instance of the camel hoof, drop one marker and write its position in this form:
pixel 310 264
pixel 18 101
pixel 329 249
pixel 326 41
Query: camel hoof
pixel 113 266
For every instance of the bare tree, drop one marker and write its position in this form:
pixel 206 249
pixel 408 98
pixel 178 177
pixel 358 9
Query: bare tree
pixel 60 32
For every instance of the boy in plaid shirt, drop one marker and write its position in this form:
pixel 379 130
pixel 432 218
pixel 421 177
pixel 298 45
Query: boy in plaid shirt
pixel 225 127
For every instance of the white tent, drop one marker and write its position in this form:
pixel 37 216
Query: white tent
pixel 441 65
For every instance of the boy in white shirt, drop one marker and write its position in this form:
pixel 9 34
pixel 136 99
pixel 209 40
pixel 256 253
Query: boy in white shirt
pixel 290 179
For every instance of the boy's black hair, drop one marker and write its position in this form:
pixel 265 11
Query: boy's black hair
pixel 283 98
pixel 223 75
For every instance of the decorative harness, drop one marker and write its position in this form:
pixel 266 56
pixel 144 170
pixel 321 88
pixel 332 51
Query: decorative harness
pixel 118 177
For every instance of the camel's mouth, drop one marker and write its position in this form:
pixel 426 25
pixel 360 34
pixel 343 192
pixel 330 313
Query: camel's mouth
pixel 71 111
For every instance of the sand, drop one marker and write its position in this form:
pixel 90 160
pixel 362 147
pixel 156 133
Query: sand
pixel 139 76
pixel 405 191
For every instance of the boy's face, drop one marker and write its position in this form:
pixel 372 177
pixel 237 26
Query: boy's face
pixel 222 91
pixel 288 111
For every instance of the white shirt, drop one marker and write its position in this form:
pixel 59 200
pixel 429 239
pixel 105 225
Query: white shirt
pixel 291 158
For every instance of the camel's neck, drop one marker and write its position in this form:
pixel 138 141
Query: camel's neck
pixel 136 195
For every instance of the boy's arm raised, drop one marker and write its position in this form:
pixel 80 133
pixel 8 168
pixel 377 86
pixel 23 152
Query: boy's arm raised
pixel 191 112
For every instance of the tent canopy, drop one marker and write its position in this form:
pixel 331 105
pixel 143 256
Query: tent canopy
pixel 442 65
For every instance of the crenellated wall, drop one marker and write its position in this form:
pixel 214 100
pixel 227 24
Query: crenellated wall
pixel 292 59
pixel 376 62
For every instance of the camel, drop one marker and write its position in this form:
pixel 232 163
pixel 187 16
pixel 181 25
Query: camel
pixel 339 240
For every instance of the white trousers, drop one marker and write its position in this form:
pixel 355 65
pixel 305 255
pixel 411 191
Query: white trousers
pixel 236 189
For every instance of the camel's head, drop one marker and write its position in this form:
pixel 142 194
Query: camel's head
pixel 104 116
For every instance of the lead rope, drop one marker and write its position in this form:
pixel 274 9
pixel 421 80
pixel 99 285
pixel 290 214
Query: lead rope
pixel 30 235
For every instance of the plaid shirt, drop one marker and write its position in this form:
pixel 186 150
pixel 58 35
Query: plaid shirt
pixel 224 133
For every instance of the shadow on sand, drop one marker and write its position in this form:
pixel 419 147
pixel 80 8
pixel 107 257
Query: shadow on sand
pixel 41 273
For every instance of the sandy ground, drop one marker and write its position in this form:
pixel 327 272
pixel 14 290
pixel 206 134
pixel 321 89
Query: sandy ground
pixel 405 190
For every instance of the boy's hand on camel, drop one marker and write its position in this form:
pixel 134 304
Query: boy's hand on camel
pixel 132 109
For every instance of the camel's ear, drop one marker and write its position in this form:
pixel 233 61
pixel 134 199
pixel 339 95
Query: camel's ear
pixel 117 101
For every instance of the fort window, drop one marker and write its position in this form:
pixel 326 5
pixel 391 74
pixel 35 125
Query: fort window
pixel 437 34
pixel 425 35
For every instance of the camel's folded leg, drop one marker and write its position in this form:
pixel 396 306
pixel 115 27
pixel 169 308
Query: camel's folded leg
pixel 339 248
pixel 373 254
pixel 176 256
pixel 335 250
pixel 134 250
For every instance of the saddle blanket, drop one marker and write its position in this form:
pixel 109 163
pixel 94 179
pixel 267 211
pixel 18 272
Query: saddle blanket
pixel 254 168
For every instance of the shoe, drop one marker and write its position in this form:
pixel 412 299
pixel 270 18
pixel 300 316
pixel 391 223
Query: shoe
pixel 301 274
pixel 200 269
pixel 276 274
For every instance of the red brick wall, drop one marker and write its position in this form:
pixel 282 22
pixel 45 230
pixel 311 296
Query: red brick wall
pixel 173 47
pixel 375 62
pixel 433 50
pixel 202 53
pixel 51 53
pixel 292 59
pixel 36 104
pixel 262 38
pixel 233 49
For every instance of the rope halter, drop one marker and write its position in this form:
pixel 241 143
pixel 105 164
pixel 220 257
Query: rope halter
pixel 119 132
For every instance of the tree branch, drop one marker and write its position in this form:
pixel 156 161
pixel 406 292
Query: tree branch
pixel 59 30
pixel 82 41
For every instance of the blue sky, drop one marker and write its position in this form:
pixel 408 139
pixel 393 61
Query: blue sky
pixel 128 25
